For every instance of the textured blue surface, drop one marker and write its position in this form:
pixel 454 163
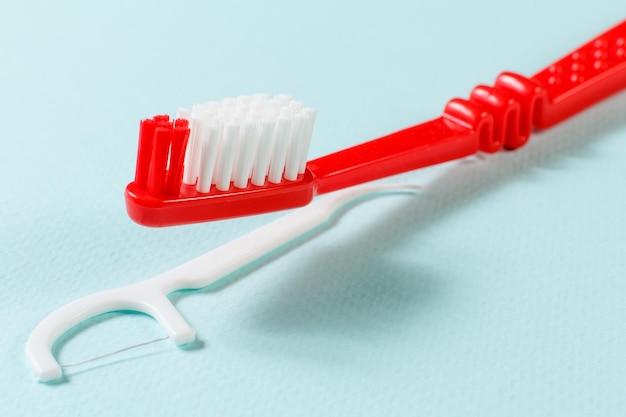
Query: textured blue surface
pixel 499 291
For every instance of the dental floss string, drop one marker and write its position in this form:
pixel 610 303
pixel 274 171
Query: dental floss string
pixel 115 352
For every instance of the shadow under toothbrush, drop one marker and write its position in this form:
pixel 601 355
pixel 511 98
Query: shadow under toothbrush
pixel 322 295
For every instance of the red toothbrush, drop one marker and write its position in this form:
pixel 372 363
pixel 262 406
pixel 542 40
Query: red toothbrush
pixel 262 158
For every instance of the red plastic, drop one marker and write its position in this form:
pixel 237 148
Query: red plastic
pixel 494 117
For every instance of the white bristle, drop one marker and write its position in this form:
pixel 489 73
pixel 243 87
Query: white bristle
pixel 192 155
pixel 260 97
pixel 195 110
pixel 210 140
pixel 309 114
pixel 295 105
pixel 249 139
pixel 236 118
pixel 227 154
pixel 281 143
pixel 183 113
pixel 213 106
pixel 283 99
pixel 292 162
pixel 257 109
pixel 264 151
pixel 228 103
pixel 273 106
pixel 244 101
pixel 247 150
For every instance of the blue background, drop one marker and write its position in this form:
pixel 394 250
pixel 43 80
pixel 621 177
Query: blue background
pixel 500 290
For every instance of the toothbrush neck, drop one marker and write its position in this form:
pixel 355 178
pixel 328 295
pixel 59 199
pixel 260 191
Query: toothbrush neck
pixel 430 143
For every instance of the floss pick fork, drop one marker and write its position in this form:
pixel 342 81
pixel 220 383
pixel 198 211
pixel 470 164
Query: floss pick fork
pixel 150 296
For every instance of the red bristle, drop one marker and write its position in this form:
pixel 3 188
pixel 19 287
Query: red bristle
pixel 180 135
pixel 161 118
pixel 158 163
pixel 144 152
pixel 182 123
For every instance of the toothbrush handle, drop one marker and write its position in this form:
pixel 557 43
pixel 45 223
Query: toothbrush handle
pixel 492 118
pixel 495 117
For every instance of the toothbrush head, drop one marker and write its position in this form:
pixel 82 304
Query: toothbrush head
pixel 220 160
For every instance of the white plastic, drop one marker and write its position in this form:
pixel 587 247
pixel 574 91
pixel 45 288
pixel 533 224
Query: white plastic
pixel 150 296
